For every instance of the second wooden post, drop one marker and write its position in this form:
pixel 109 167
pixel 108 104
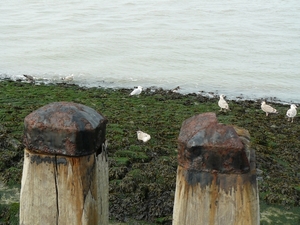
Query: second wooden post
pixel 216 176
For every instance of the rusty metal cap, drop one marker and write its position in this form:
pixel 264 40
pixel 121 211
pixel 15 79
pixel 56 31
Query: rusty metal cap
pixel 65 128
pixel 206 145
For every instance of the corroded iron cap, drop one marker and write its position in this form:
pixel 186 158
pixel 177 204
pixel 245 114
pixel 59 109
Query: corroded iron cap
pixel 65 128
pixel 206 145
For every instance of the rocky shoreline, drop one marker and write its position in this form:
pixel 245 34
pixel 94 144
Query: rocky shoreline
pixel 142 175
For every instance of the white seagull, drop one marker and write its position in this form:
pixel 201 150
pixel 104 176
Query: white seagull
pixel 292 112
pixel 68 78
pixel 267 108
pixel 223 104
pixel 143 136
pixel 137 91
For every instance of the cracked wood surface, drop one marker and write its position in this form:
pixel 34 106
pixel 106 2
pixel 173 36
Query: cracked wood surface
pixel 61 190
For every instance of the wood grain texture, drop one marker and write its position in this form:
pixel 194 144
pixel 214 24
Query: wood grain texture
pixel 63 190
pixel 211 204
pixel 38 192
pixel 103 187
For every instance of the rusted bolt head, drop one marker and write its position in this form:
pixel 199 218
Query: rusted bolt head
pixel 64 128
pixel 206 145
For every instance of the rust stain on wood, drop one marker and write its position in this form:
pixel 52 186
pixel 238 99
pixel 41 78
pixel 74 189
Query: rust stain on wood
pixel 221 194
pixel 78 176
pixel 214 193
pixel 41 158
pixel 225 182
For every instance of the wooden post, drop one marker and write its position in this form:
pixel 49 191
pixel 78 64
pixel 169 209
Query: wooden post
pixel 65 171
pixel 216 176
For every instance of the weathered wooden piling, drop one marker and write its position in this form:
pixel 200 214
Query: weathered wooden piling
pixel 216 176
pixel 65 171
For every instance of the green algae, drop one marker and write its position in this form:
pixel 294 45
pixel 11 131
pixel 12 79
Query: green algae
pixel 276 214
pixel 9 214
pixel 142 175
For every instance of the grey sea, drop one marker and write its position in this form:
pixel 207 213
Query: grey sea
pixel 248 49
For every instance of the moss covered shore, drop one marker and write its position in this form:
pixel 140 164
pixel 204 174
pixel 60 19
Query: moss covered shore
pixel 142 175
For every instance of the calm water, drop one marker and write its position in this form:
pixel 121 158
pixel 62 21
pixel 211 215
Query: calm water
pixel 234 47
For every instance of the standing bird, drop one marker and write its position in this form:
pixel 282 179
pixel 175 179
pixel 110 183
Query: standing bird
pixel 176 89
pixel 292 112
pixel 29 78
pixel 267 108
pixel 68 78
pixel 223 104
pixel 137 91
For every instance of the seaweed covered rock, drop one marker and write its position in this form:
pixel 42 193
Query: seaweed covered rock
pixel 10 156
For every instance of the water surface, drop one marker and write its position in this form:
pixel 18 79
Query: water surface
pixel 232 47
